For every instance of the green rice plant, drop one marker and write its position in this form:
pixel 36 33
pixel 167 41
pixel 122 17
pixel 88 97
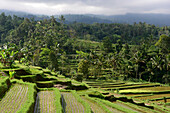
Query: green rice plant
pixel 96 107
pixel 103 105
pixel 85 104
pixel 28 106
pixel 59 108
pixel 144 92
pixel 133 87
pixel 138 108
pixel 162 110
pixel 45 102
pixel 18 99
pixel 71 104
pixel 114 105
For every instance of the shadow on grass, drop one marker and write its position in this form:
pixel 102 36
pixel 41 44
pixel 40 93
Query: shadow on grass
pixel 64 104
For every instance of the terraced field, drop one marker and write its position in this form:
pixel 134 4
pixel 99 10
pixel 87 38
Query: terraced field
pixel 148 89
pixel 70 103
pixel 135 108
pixel 153 96
pixel 141 92
pixel 14 99
pixel 162 100
pixel 96 108
pixel 53 100
pixel 45 102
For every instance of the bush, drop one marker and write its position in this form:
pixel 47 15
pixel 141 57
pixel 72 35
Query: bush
pixel 4 85
pixel 79 77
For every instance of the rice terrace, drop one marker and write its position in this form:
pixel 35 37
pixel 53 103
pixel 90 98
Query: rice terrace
pixel 82 56
pixel 37 94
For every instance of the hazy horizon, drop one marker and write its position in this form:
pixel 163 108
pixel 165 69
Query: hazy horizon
pixel 97 7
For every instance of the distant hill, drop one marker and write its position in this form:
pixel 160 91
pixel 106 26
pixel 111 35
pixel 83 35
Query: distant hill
pixel 85 19
pixel 156 19
pixel 129 18
pixel 24 14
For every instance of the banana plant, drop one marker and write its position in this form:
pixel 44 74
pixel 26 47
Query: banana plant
pixel 7 56
pixel 11 74
pixel 3 56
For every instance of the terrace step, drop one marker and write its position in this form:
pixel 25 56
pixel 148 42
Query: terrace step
pixel 127 107
pixel 70 103
pixel 120 85
pixel 45 102
pixel 17 98
pixel 96 108
pixel 133 87
pixel 137 107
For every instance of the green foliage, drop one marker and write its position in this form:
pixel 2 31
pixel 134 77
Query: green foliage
pixel 43 60
pixel 119 46
pixel 7 55
pixel 58 101
pixel 136 107
pixel 28 106
pixel 114 105
pixel 53 45
pixel 85 104
pixel 163 43
pixel 11 74
pixel 107 44
pixel 83 67
pixel 79 77
pixel 4 82
pixel 53 61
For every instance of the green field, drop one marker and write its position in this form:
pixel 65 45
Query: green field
pixel 40 90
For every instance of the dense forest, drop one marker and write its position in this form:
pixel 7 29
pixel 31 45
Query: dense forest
pixel 130 52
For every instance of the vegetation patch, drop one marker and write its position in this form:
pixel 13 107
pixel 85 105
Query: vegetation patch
pixel 4 85
pixel 28 78
pixel 153 96
pixel 70 104
pixel 137 107
pixel 20 98
pixel 133 87
pixel 114 106
pixel 96 107
pixel 45 84
pixel 48 102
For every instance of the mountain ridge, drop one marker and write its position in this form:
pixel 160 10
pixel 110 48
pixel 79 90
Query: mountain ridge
pixel 129 18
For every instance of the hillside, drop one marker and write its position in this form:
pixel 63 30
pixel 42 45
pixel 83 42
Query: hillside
pixel 129 18
pixel 33 89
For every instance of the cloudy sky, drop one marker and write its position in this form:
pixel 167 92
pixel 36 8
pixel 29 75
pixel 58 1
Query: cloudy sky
pixel 106 7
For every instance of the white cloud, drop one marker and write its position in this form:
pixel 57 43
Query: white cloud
pixel 108 7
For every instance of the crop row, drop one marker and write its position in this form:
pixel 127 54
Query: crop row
pixel 133 87
pixel 96 108
pixel 45 102
pixel 70 104
pixel 104 106
pixel 153 96
pixel 160 88
pixel 136 107
pixel 14 98
pixel 117 85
